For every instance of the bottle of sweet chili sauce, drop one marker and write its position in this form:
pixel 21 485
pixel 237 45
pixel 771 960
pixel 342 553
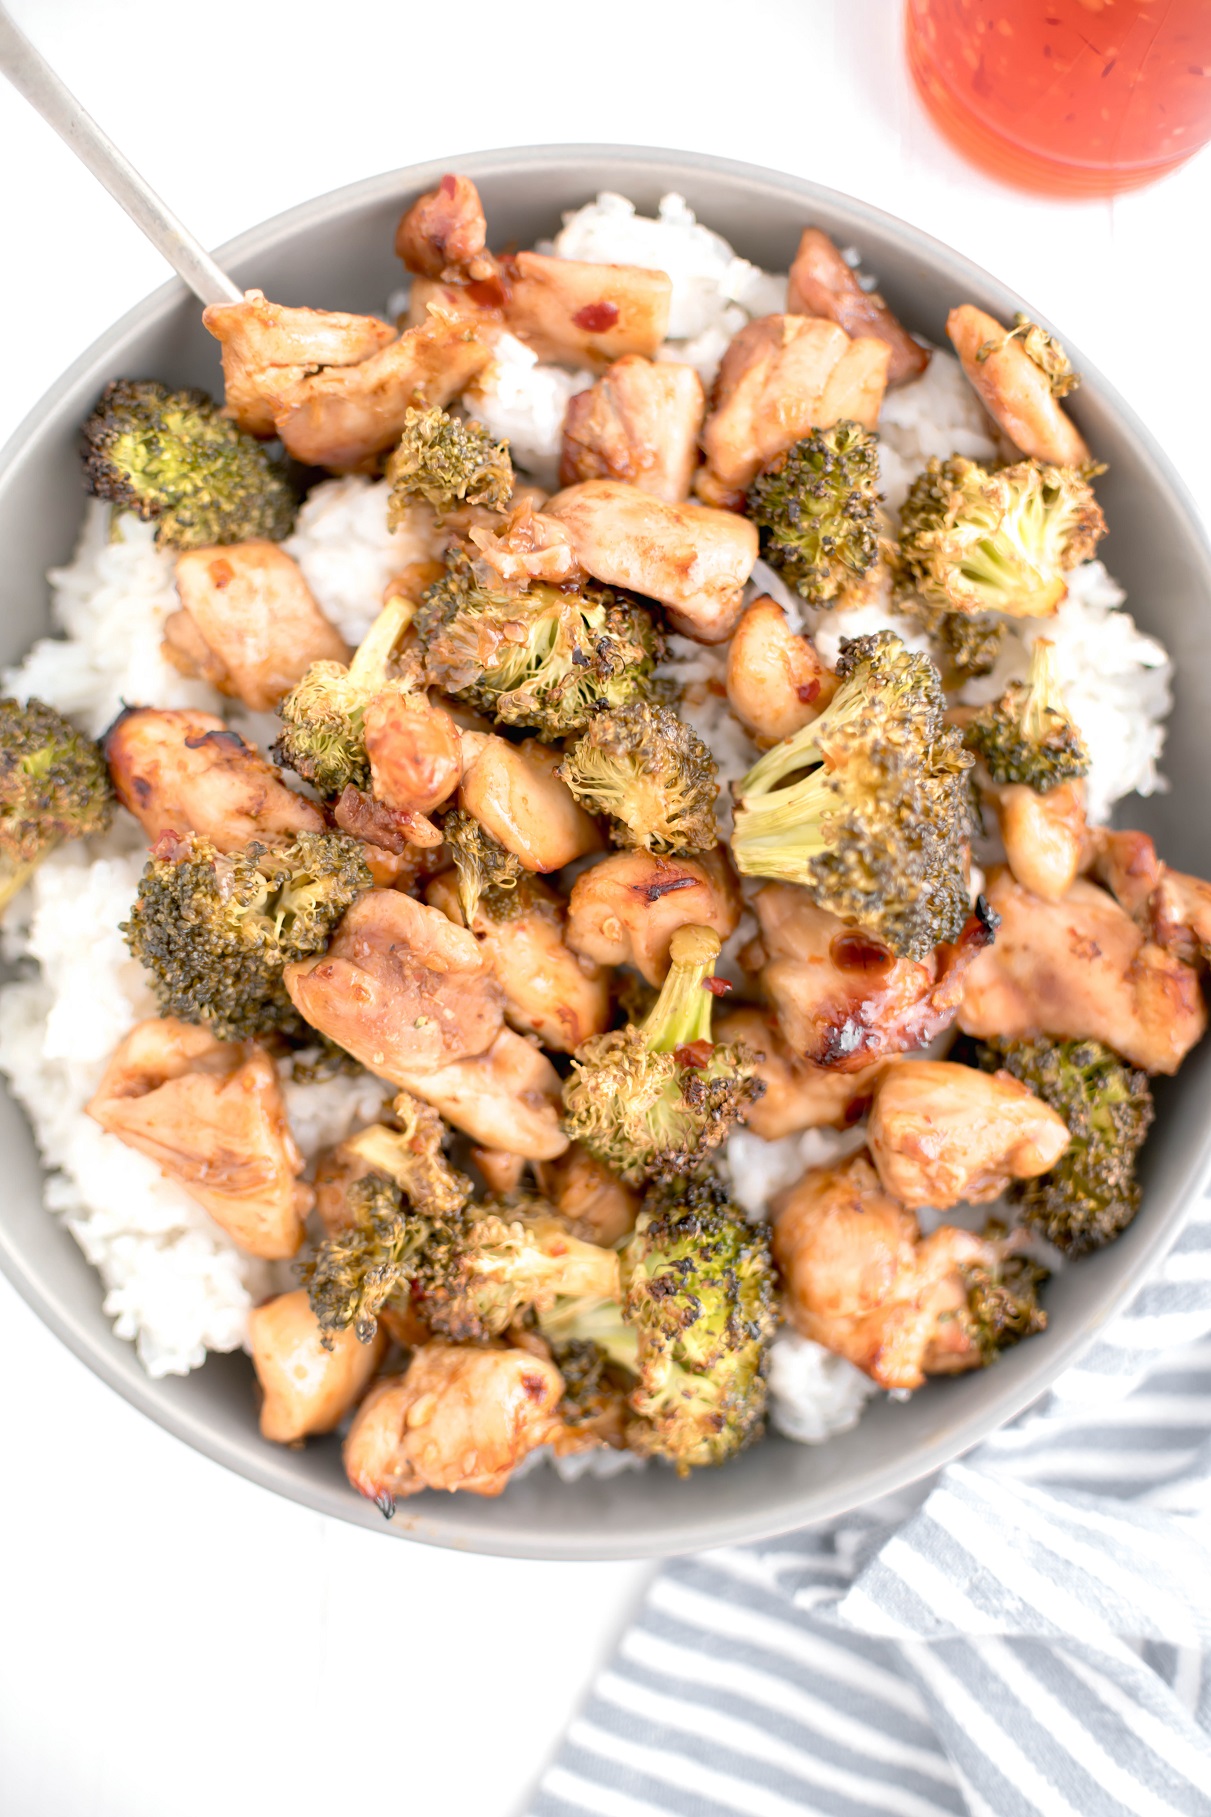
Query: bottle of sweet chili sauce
pixel 1071 97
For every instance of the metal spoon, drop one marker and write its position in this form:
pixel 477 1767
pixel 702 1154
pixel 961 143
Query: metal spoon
pixel 33 77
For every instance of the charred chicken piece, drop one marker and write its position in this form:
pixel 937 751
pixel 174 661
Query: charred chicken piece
pixel 626 909
pixel 1017 392
pixel 639 423
pixel 798 1095
pixel 443 235
pixel 507 1098
pixel 822 284
pixel 210 1114
pixel 776 683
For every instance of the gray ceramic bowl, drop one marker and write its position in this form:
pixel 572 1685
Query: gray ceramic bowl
pixel 336 253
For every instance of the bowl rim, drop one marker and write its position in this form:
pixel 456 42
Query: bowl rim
pixel 865 1484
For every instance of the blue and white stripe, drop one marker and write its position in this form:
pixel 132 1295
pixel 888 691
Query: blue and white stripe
pixel 1028 1634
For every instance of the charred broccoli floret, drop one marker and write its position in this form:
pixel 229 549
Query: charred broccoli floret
pixel 644 767
pixel 977 541
pixel 1026 735
pixel 322 738
pixel 867 807
pixel 53 786
pixel 1002 1298
pixel 410 1151
pixel 368 1260
pixel 547 658
pixel 171 457
pixel 970 642
pixel 693 1325
pixel 447 463
pixel 1091 1195
pixel 482 862
pixel 654 1099
pixel 215 929
pixel 816 507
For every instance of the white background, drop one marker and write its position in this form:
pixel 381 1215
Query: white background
pixel 173 1641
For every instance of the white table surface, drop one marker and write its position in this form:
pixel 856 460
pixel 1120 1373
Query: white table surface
pixel 174 1641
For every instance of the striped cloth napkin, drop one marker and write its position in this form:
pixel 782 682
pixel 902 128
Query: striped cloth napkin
pixel 1026 1634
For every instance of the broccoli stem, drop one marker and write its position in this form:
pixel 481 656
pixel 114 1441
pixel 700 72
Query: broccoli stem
pixel 368 667
pixel 681 1013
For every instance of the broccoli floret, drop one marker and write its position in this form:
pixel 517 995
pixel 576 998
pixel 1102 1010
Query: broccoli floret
pixel 976 541
pixel 547 658
pixel 1042 349
pixel 644 767
pixel 447 463
pixel 54 785
pixel 816 507
pixel 693 1325
pixel 1026 735
pixel 410 1152
pixel 482 862
pixel 173 458
pixel 214 929
pixel 654 1099
pixel 364 1264
pixel 868 807
pixel 1002 1298
pixel 322 738
pixel 971 642
pixel 1091 1195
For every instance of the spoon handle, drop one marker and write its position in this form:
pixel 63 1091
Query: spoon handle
pixel 33 77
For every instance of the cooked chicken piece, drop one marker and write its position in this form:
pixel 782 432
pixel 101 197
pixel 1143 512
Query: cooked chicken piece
pixel 210 1115
pixel 502 1171
pixel 842 999
pixel 344 417
pixel 185 772
pixel 581 314
pixel 797 1094
pixel 638 423
pixel 514 793
pixel 822 284
pixel 695 561
pixel 1044 835
pixel 776 683
pixel 942 1134
pixel 415 751
pixel 626 909
pixel 1015 392
pixel 400 988
pixel 268 351
pixel 1174 908
pixel 550 991
pixel 590 1199
pixel 507 1098
pixel 857 1277
pixel 783 376
pixel 456 1419
pixel 530 547
pixel 1082 969
pixel 443 234
pixel 386 830
pixel 307 1388
pixel 247 623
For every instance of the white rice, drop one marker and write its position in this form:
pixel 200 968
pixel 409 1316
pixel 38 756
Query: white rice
pixel 175 1284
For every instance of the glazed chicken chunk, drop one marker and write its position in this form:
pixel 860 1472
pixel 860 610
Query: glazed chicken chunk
pixel 783 376
pixel 415 751
pixel 185 772
pixel 514 793
pixel 1174 909
pixel 1045 836
pixel 625 909
pixel 584 314
pixel 822 284
pixel 269 350
pixel 210 1114
pixel 550 991
pixel 247 623
pixel 639 423
pixel 776 683
pixel 1016 393
pixel 942 1134
pixel 842 999
pixel 1082 969
pixel 400 988
pixel 508 1098
pixel 692 559
pixel 859 1279
pixel 443 235
pixel 592 1201
pixel 456 1419
pixel 797 1095
pixel 307 1388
